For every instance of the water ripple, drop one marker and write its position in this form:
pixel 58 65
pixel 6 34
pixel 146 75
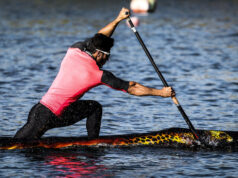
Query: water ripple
pixel 194 45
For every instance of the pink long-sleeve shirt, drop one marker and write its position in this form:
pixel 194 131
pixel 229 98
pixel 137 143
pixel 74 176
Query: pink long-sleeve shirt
pixel 78 73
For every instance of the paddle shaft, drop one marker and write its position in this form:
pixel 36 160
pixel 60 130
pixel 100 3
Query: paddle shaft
pixel 163 79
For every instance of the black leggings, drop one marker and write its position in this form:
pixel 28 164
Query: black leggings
pixel 41 119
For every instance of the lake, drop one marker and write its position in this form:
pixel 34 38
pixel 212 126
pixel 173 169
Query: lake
pixel 193 42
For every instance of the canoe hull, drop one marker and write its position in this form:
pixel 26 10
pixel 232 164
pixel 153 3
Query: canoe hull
pixel 169 138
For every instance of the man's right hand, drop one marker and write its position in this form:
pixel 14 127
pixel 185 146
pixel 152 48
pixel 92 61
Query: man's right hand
pixel 124 13
pixel 109 29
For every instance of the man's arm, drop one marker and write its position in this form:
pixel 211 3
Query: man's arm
pixel 134 88
pixel 109 29
pixel 140 90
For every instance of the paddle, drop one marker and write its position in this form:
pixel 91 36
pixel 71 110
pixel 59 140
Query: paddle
pixel 163 80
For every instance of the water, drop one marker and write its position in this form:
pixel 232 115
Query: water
pixel 195 46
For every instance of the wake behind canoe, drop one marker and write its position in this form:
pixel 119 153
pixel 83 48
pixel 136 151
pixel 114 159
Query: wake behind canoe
pixel 168 138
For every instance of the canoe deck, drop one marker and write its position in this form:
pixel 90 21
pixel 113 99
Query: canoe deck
pixel 168 138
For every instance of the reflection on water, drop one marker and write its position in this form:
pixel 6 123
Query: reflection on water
pixel 74 165
pixel 135 162
pixel 195 46
pixel 70 167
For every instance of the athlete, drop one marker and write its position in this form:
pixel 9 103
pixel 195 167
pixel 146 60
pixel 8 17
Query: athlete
pixel 81 70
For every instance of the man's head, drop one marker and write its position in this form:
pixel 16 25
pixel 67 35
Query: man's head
pixel 99 45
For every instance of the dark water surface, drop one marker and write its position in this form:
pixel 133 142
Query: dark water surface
pixel 194 43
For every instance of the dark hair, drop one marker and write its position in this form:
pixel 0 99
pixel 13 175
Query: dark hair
pixel 98 41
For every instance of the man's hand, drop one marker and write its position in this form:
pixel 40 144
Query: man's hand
pixel 124 13
pixel 109 29
pixel 168 92
pixel 141 90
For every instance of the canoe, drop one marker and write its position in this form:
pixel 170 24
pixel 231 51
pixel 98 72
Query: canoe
pixel 168 138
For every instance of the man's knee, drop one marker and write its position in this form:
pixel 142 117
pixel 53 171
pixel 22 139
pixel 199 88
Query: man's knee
pixel 96 105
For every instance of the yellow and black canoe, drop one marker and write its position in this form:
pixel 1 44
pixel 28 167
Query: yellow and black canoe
pixel 168 138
